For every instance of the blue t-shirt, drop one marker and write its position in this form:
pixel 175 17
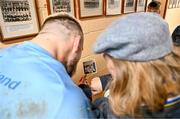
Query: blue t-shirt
pixel 33 85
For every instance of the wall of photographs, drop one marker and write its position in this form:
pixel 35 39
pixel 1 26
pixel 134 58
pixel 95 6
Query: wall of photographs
pixel 173 4
pixel 22 18
pixel 98 8
pixel 92 23
pixel 173 14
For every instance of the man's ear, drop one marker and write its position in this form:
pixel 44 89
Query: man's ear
pixel 77 43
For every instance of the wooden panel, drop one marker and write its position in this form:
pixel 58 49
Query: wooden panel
pixel 173 18
pixel 97 24
pixel 100 66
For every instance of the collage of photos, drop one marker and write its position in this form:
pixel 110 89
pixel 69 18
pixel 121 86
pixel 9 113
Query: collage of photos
pixel 93 8
pixel 174 4
pixel 15 10
pixel 97 8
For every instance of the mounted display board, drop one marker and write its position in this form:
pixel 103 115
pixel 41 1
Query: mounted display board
pixel 18 18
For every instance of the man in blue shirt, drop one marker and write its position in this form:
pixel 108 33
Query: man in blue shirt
pixel 35 78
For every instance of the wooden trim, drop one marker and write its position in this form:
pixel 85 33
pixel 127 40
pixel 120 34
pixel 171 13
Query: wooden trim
pixel 19 37
pixel 165 11
pixel 6 42
pixel 48 7
pixel 146 5
pixel 136 1
pixel 37 15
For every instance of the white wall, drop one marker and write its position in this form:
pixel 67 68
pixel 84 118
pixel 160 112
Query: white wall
pixel 173 18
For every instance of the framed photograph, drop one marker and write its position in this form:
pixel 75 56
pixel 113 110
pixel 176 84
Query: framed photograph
pixel 174 3
pixel 113 7
pixel 170 4
pixel 18 18
pixel 89 67
pixel 141 5
pixel 55 6
pixel 178 4
pixel 129 6
pixel 91 8
pixel 148 1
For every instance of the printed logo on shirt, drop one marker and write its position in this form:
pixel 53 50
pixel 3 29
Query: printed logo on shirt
pixel 8 82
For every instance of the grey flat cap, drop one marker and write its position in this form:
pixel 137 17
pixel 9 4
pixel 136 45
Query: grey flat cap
pixel 136 37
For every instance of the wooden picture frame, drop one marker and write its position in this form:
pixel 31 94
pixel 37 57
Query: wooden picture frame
pixel 178 4
pixel 90 8
pixel 55 6
pixel 129 6
pixel 113 7
pixel 90 67
pixel 141 5
pixel 18 19
pixel 170 4
pixel 174 3
pixel 147 3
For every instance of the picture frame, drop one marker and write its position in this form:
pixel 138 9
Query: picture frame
pixel 178 4
pixel 141 5
pixel 90 8
pixel 170 4
pixel 147 3
pixel 113 7
pixel 129 6
pixel 18 19
pixel 89 67
pixel 55 6
pixel 174 3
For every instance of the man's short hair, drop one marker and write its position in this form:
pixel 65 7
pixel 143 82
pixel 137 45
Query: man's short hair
pixel 154 4
pixel 66 20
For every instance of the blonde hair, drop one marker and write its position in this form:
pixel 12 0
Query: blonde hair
pixel 143 83
pixel 176 51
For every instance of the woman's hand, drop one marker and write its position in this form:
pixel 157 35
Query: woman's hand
pixel 96 86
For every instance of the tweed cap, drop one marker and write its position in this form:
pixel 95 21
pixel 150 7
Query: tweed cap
pixel 136 37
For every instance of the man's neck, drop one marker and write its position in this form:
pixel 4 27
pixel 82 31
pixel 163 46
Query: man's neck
pixel 53 44
pixel 46 43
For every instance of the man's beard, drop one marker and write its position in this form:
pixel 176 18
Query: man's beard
pixel 71 68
